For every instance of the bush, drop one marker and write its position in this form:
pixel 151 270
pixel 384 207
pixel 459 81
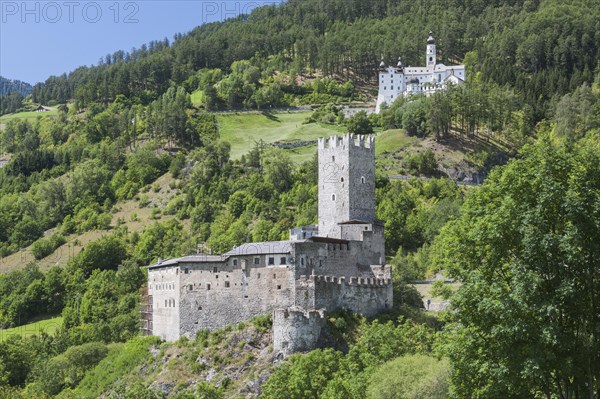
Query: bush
pixel 410 377
pixel 45 246
pixel 422 162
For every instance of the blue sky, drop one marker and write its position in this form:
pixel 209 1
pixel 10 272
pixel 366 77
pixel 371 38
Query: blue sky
pixel 43 38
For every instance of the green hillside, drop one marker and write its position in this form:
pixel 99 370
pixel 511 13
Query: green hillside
pixel 186 146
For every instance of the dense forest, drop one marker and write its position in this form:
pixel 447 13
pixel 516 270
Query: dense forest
pixel 524 321
pixel 541 49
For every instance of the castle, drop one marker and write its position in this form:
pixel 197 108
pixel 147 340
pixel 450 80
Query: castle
pixel 396 81
pixel 339 263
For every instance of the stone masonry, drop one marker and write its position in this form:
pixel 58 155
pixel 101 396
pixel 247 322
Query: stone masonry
pixel 338 263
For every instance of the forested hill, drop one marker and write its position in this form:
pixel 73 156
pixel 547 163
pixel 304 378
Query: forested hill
pixel 541 48
pixel 10 86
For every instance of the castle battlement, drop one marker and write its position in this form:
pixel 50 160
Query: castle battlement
pixel 353 281
pixel 347 141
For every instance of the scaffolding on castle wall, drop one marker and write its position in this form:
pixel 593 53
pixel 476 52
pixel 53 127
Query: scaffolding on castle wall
pixel 145 312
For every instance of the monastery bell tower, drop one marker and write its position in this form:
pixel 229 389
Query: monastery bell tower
pixel 430 51
pixel 346 182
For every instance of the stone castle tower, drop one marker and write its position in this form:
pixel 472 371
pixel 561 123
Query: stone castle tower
pixel 346 183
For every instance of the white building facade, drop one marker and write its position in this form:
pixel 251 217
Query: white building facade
pixel 397 81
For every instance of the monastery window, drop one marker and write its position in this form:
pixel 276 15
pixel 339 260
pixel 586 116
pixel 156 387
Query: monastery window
pixel 439 77
pixel 166 303
pixel 333 197
pixel 282 261
pixel 235 262
pixel 274 276
pixel 207 287
pixel 257 260
pixel 342 179
pixel 392 87
pixel 362 179
pixel 226 284
pixel 430 58
pixel 278 287
pixel 199 307
pixel 302 261
pixel 320 262
pixel 384 87
pixel 190 287
pixel 215 269
pixel 271 260
pixel 258 275
pixel 333 158
pixel 392 96
pixel 392 82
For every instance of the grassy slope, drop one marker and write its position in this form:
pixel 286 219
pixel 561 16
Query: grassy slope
pixel 27 115
pixel 48 325
pixel 242 130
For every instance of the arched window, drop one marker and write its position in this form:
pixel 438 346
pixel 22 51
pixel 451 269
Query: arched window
pixel 333 158
pixel 362 180
pixel 342 179
pixel 333 197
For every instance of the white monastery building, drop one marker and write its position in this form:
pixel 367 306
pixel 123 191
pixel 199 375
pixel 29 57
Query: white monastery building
pixel 396 81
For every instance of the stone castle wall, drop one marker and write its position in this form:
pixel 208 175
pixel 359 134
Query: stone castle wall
pixel 365 295
pixel 296 330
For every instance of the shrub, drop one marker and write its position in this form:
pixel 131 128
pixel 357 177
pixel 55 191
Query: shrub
pixel 45 246
pixel 410 377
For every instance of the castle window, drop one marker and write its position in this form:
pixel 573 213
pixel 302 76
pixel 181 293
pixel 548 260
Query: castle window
pixel 333 158
pixel 190 287
pixel 333 197
pixel 257 260
pixel 215 270
pixel 384 87
pixel 258 275
pixel 207 287
pixel 342 179
pixel 282 261
pixel 186 270
pixel 362 179
pixel 235 262
pixel 166 305
pixel 430 58
pixel 278 287
pixel 392 87
pixel 271 260
pixel 226 284
pixel 274 276
pixel 216 276
pixel 199 307
pixel 320 262
pixel 392 96
pixel 302 261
